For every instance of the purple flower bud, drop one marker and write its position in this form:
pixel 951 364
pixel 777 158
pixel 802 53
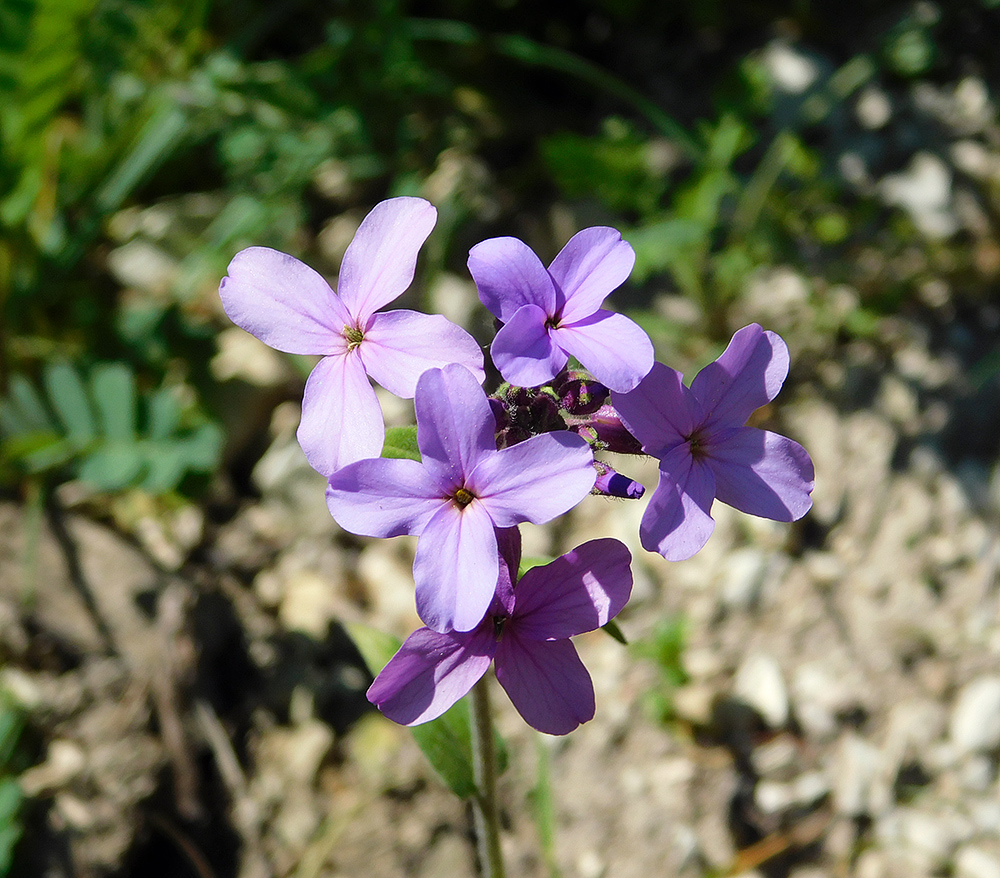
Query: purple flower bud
pixel 579 393
pixel 612 484
pixel 605 430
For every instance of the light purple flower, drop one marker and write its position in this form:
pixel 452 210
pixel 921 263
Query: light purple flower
pixel 551 314
pixel 461 490
pixel 290 307
pixel 526 633
pixel 706 452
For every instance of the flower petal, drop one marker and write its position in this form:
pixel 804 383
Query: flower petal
pixel 341 418
pixel 749 374
pixel 577 592
pixel 456 567
pixel 610 346
pixel 383 497
pixel 284 303
pixel 523 350
pixel 677 522
pixel 508 275
pixel 594 262
pixel 535 480
pixel 379 263
pixel 430 672
pixel 661 412
pixel 546 681
pixel 761 473
pixel 455 424
pixel 399 346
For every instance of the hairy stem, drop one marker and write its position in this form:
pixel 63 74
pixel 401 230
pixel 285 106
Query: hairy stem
pixel 484 760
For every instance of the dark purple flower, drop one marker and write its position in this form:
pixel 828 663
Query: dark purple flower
pixel 526 634
pixel 551 314
pixel 290 307
pixel 459 493
pixel 706 452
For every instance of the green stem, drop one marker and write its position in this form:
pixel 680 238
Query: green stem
pixel 484 803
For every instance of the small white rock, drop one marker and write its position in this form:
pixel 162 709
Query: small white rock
pixel 974 862
pixel 760 684
pixel 975 720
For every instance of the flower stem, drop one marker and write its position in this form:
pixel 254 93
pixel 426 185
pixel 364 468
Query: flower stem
pixel 484 761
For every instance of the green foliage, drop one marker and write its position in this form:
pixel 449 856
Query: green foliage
pixel 665 649
pixel 92 430
pixel 11 798
pixel 401 442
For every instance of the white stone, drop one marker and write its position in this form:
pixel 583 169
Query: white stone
pixel 974 862
pixel 760 684
pixel 975 720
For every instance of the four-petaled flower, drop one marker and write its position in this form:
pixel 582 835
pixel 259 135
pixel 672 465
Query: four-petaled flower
pixel 290 307
pixel 525 633
pixel 706 452
pixel 461 490
pixel 551 314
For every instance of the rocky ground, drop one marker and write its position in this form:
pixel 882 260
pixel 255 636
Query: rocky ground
pixel 834 710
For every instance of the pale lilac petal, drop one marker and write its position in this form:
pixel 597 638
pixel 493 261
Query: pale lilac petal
pixel 577 592
pixel 535 480
pixel 761 473
pixel 508 275
pixel 379 263
pixel 749 374
pixel 613 348
pixel 677 522
pixel 383 497
pixel 455 424
pixel 399 346
pixel 430 672
pixel 594 262
pixel 284 303
pixel 661 412
pixel 523 350
pixel 546 681
pixel 341 418
pixel 456 568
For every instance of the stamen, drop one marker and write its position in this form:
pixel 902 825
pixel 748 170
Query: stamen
pixel 462 497
pixel 354 337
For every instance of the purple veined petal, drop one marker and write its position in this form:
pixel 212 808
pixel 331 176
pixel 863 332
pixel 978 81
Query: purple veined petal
pixel 761 473
pixel 284 303
pixel 430 672
pixel 593 263
pixel 383 497
pixel 399 346
pixel 523 350
pixel 546 681
pixel 578 592
pixel 456 567
pixel 341 418
pixel 613 348
pixel 455 424
pixel 379 263
pixel 535 480
pixel 661 412
pixel 749 374
pixel 677 522
pixel 508 275
pixel 509 546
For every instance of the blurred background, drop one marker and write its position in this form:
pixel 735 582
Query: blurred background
pixel 180 694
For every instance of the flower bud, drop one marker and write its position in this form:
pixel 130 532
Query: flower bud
pixel 612 484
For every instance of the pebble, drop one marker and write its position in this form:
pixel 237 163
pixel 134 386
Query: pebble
pixel 974 862
pixel 760 684
pixel 975 720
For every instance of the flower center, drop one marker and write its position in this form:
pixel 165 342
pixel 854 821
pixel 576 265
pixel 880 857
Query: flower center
pixel 462 497
pixel 498 622
pixel 354 337
pixel 695 444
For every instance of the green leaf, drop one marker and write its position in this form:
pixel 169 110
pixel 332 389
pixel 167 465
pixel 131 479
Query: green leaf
pixel 113 467
pixel 69 399
pixel 401 442
pixel 113 389
pixel 164 414
pixel 447 744
pixel 27 407
pixel 612 628
pixel 376 647
pixel 529 562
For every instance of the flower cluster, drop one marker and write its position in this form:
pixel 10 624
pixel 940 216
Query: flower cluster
pixel 525 453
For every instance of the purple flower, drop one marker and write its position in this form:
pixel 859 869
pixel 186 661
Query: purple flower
pixel 290 307
pixel 550 315
pixel 526 633
pixel 459 493
pixel 706 452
